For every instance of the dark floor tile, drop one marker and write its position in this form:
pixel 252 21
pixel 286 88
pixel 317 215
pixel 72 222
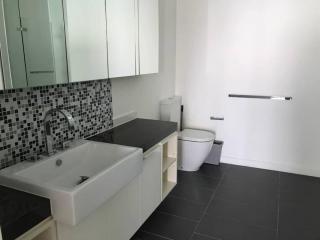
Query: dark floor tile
pixel 248 174
pixel 296 216
pixel 228 229
pixel 299 212
pixel 182 208
pixel 220 228
pixel 255 233
pixel 197 180
pixel 245 206
pixel 258 214
pixel 169 226
pixel 248 190
pixel 299 189
pixel 200 237
pixel 146 236
pixel 299 233
pixel 197 194
pixel 213 171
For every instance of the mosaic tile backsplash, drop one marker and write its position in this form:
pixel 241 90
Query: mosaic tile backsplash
pixel 22 112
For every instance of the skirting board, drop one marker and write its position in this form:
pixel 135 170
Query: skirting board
pixel 288 168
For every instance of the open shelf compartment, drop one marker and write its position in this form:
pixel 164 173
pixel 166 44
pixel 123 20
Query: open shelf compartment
pixel 169 164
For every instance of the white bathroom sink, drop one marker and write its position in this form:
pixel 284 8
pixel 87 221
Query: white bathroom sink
pixel 88 176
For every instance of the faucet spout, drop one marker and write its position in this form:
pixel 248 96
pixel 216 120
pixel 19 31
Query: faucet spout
pixel 47 127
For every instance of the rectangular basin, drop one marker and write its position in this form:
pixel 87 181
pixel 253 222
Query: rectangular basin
pixel 79 180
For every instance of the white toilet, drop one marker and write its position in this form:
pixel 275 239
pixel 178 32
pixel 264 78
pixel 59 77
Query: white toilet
pixel 194 145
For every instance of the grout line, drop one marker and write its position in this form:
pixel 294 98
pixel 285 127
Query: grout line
pixel 278 205
pixel 156 235
pixel 202 175
pixel 251 225
pixel 206 236
pixel 183 218
pixel 208 204
pixel 202 187
pixel 188 200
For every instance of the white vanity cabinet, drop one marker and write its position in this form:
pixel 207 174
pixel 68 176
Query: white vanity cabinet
pixel 159 175
pixel 123 214
pixel 86 34
pixel 117 219
pixel 151 182
pixel 121 32
pixel 148 51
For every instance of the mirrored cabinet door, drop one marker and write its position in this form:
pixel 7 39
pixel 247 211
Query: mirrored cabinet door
pixel 34 42
pixel 86 30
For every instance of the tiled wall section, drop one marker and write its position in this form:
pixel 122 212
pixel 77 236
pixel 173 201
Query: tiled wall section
pixel 22 112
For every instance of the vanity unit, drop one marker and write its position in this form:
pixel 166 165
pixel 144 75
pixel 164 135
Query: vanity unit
pixel 152 136
pixel 129 170
pixel 122 215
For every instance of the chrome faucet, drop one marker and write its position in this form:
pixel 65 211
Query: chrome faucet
pixel 47 128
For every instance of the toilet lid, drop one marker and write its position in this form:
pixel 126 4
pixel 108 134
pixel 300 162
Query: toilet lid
pixel 196 135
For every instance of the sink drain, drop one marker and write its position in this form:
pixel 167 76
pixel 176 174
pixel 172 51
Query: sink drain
pixel 59 162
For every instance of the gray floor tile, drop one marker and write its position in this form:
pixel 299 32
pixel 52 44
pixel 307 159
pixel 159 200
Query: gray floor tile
pixel 169 226
pixel 297 216
pixel 146 236
pixel 299 189
pixel 197 180
pixel 182 208
pixel 298 233
pixel 196 194
pixel 259 214
pixel 248 191
pixel 248 204
pixel 213 171
pixel 200 237
pixel 227 229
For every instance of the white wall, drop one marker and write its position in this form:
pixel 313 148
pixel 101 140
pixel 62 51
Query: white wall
pixel 267 47
pixel 143 93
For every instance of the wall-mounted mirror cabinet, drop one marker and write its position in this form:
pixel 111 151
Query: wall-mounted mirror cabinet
pixel 45 42
pixel 33 43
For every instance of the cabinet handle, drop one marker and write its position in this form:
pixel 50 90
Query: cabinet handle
pixel 279 98
pixel 39 72
pixel 217 118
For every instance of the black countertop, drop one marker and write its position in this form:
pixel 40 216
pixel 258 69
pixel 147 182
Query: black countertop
pixel 19 212
pixel 141 133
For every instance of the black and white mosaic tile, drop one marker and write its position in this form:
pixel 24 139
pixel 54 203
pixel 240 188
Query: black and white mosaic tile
pixel 22 112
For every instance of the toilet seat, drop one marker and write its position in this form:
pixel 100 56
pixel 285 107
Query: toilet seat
pixel 193 135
